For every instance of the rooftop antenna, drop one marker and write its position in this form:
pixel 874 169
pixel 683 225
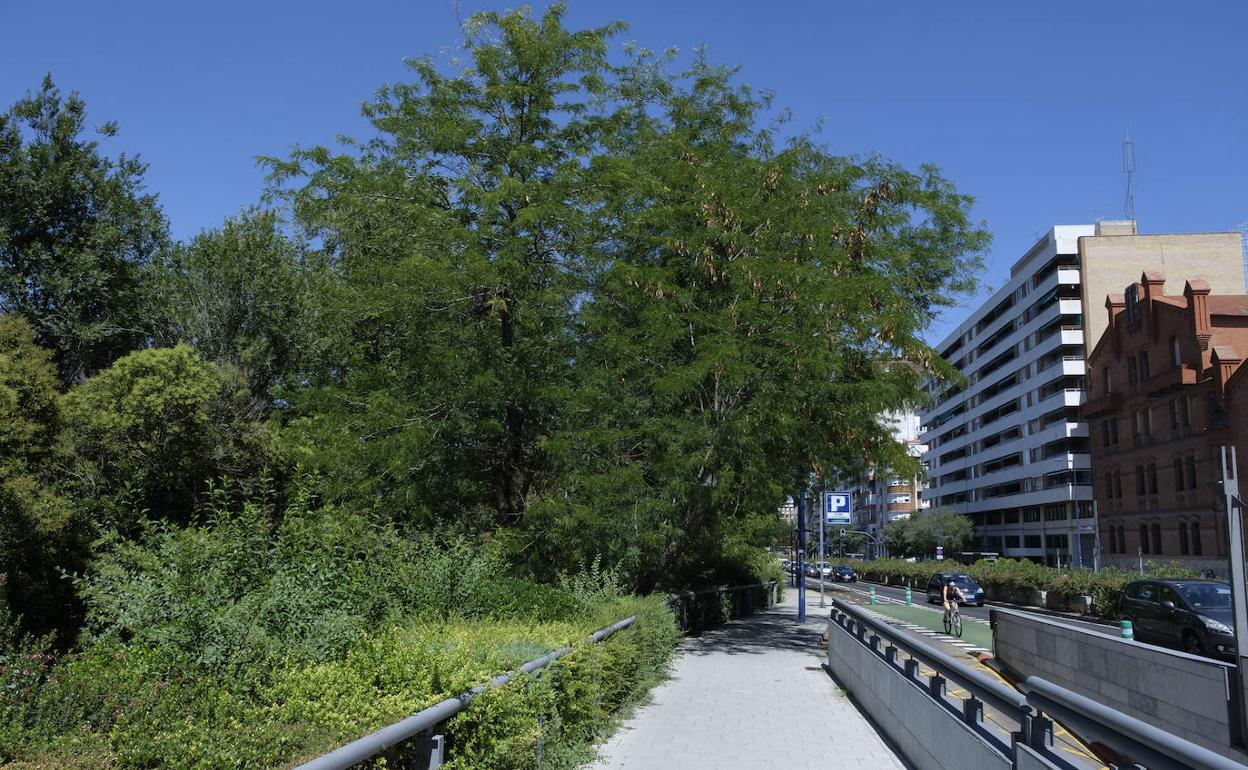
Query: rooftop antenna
pixel 1128 168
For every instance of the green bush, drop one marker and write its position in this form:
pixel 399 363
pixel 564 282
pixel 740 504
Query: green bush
pixel 1104 586
pixel 110 705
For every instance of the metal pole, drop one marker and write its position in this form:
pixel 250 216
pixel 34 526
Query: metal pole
pixel 823 520
pixel 801 557
pixel 1235 534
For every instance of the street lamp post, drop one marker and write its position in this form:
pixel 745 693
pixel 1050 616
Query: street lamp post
pixel 801 557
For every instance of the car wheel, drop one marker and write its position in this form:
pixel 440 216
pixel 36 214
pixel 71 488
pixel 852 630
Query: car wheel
pixel 1192 643
pixel 979 603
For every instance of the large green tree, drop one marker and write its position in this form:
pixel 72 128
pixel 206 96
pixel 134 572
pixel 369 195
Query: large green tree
pixel 756 308
pixel 597 298
pixel 458 238
pixel 76 227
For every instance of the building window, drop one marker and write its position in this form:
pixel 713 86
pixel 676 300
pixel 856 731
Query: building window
pixel 1156 537
pixel 1109 388
pixel 1109 486
pixel 1113 430
pixel 1031 513
pixel 1031 541
pixel 1143 366
pixel 1122 539
pixel 1178 474
pixel 1144 539
pixel 1011 541
pixel 1055 512
pixel 1105 433
pixel 1133 372
pixel 1174 412
pixel 1185 417
pixel 1175 356
pixel 1194 534
pixel 1191 471
pixel 1117 483
pixel 1139 481
pixel 1152 478
pixel 1183 538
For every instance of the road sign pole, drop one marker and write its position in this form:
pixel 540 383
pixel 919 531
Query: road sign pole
pixel 823 520
pixel 801 557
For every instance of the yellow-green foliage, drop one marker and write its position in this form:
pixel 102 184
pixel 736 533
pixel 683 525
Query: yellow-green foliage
pixel 104 707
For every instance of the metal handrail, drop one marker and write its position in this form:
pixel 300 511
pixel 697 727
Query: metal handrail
pixel 1135 740
pixel 374 743
pixel 980 685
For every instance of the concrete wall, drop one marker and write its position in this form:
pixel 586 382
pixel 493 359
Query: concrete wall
pixel 1182 694
pixel 1111 262
pixel 926 733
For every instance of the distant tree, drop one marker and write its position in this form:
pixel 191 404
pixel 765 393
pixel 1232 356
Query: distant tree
pixel 920 534
pixel 148 436
pixel 240 295
pixel 76 228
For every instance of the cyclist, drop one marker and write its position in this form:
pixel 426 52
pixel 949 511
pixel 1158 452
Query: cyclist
pixel 951 595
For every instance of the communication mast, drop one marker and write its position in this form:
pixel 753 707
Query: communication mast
pixel 1128 168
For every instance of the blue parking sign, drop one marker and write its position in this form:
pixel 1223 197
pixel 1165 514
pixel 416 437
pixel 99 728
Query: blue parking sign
pixel 836 508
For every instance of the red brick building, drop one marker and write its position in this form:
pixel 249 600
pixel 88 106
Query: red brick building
pixel 1166 392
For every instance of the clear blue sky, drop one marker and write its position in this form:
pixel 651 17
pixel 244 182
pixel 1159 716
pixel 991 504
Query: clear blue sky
pixel 1023 105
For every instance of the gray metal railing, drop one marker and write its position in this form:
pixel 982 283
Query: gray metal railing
pixel 699 610
pixel 431 748
pixel 982 689
pixel 1130 741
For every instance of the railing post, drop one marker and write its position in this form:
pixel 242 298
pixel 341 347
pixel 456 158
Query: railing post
pixel 912 668
pixel 430 750
pixel 972 710
pixel 936 686
pixel 890 654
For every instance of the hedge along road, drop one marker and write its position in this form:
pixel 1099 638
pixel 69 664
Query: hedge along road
pixel 968 611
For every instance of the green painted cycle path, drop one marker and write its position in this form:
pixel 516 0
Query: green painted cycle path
pixel 976 634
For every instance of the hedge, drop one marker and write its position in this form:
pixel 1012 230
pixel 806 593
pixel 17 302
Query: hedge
pixel 1104 586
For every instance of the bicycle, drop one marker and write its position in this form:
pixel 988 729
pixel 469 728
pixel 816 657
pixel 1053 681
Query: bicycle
pixel 953 621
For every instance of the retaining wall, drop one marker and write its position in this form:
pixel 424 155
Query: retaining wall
pixel 1183 694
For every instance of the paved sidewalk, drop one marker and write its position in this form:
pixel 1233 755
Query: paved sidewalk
pixel 751 694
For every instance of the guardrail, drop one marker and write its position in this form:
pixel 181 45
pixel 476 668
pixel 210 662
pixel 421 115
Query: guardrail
pixel 699 610
pixel 1126 741
pixel 430 749
pixel 1033 730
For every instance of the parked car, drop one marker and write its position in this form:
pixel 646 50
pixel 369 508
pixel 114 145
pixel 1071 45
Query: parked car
pixel 966 584
pixel 843 573
pixel 1192 615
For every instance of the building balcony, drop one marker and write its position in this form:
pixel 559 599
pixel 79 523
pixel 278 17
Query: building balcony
pixel 1068 275
pixel 1171 379
pixel 1094 407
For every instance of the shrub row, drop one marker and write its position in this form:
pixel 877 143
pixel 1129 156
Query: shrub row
pixel 116 706
pixel 1022 576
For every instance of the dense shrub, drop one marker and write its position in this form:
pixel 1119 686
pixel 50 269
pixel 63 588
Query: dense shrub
pixel 108 706
pixel 1104 586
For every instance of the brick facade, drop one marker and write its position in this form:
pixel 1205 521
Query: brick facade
pixel 1165 394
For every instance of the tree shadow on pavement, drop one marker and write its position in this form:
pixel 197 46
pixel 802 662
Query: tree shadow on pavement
pixel 760 633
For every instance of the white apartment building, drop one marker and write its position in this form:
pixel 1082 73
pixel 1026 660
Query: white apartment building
pixel 881 495
pixel 1008 447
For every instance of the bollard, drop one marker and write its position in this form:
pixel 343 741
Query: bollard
pixel 1127 631
pixel 909 601
pixel 871 597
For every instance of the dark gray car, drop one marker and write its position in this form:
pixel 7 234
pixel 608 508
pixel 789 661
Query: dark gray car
pixel 971 591
pixel 1192 615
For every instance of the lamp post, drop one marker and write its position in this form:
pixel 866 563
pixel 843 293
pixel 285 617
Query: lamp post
pixel 801 557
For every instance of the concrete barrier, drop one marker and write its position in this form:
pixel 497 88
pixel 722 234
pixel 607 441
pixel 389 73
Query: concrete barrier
pixel 927 733
pixel 1179 693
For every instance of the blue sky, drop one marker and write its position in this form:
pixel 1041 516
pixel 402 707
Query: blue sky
pixel 1023 106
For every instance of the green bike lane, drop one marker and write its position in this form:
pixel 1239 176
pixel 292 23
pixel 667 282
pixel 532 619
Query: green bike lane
pixel 929 621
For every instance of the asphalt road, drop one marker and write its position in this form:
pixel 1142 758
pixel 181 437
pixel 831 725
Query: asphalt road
pixel 971 611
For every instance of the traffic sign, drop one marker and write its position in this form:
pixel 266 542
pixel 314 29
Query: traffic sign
pixel 837 508
pixel 940 552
